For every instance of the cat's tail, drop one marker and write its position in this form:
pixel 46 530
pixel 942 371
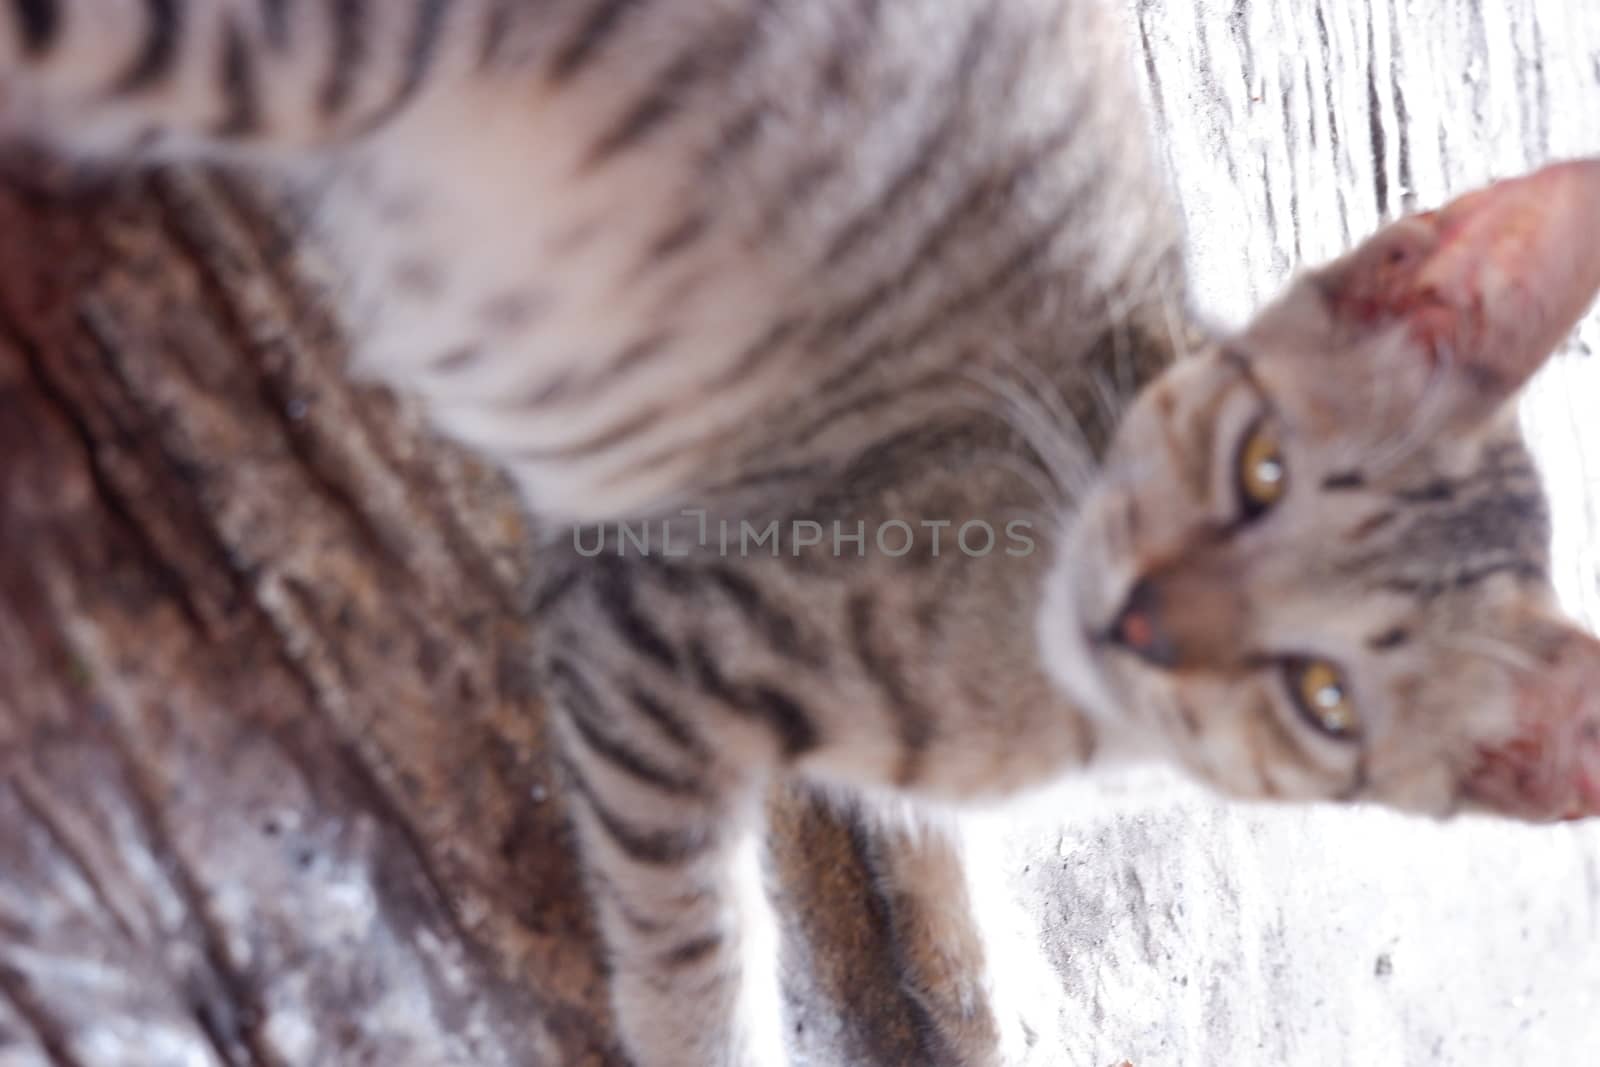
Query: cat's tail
pixel 175 77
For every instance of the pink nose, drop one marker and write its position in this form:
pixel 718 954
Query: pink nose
pixel 1139 629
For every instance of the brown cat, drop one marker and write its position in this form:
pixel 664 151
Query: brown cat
pixel 856 331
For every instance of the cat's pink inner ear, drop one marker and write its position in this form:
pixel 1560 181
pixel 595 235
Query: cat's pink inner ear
pixel 1549 768
pixel 1491 282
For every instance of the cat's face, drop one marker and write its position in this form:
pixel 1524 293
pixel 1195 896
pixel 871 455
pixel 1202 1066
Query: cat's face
pixel 1316 564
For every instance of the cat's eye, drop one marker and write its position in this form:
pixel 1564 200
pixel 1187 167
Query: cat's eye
pixel 1262 474
pixel 1320 695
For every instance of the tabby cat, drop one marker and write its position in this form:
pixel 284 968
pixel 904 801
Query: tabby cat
pixel 852 337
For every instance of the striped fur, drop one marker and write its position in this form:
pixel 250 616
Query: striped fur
pixel 846 269
pixel 760 255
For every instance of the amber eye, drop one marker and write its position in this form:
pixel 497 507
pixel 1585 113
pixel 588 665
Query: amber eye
pixel 1319 693
pixel 1262 474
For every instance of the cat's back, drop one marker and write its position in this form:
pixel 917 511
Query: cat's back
pixel 644 251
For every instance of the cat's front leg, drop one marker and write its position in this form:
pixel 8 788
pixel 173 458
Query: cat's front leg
pixel 671 851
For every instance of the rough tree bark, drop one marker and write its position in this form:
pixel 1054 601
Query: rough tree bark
pixel 272 778
pixel 272 788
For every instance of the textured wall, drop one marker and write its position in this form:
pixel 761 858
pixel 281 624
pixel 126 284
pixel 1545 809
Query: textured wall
pixel 1191 933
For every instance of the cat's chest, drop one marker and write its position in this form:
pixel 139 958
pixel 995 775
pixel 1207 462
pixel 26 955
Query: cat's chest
pixel 619 294
pixel 571 326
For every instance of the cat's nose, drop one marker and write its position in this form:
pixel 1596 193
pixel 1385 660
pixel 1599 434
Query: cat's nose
pixel 1138 626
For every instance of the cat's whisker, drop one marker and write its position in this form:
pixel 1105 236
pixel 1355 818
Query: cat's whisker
pixel 1067 483
pixel 1064 458
pixel 1176 333
pixel 1110 405
pixel 1044 488
pixel 1050 395
pixel 1050 516
pixel 1122 364
pixel 1114 312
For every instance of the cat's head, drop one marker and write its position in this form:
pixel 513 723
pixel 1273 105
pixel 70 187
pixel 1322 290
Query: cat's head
pixel 1316 564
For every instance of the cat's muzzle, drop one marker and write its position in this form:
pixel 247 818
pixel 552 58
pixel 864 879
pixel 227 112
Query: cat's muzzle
pixel 1139 628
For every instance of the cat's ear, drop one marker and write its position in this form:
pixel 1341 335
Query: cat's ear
pixel 1485 287
pixel 1547 766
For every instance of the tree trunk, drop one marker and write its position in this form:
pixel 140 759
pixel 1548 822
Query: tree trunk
pixel 273 787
